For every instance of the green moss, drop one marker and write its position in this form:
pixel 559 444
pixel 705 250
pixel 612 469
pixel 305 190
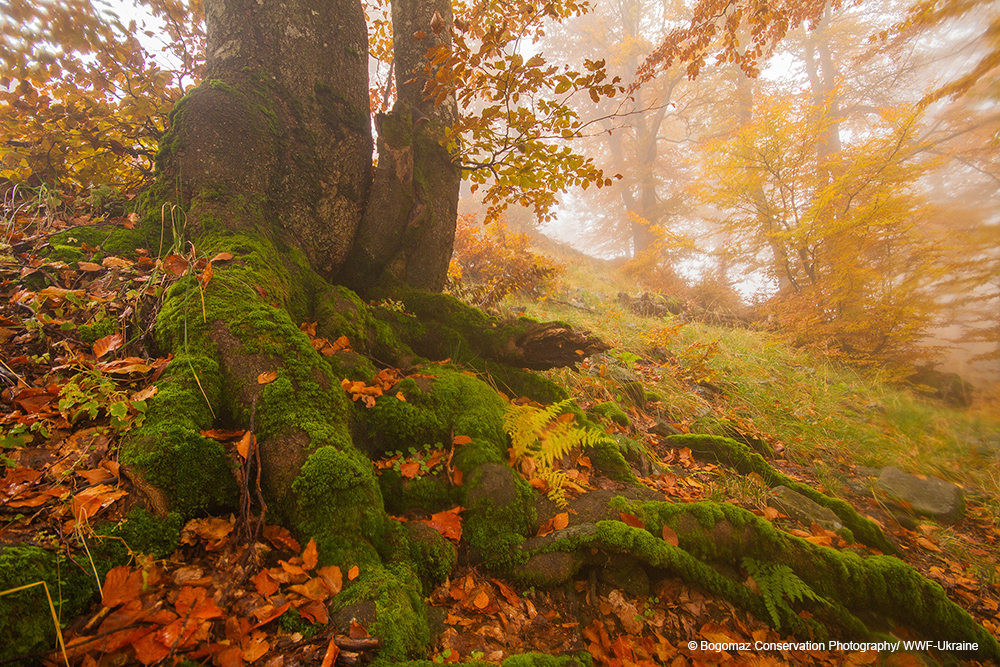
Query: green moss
pixel 139 533
pixel 338 503
pixel 447 401
pixel 610 410
pixel 581 659
pixel 292 621
pixel 64 253
pixel 495 530
pixel 89 333
pixel 169 449
pixel 401 618
pixel 110 240
pixel 25 620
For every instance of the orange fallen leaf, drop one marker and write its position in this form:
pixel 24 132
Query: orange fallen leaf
pixel 121 584
pixel 266 586
pixel 560 521
pixel 410 469
pixel 357 631
pixel 631 520
pixel 669 536
pixel 267 377
pixel 243 446
pixel 448 523
pixel 102 346
pixel 310 555
pixel 332 651
pixel 332 578
pixel 482 600
pixel 353 573
pixel 461 440
pixel 222 257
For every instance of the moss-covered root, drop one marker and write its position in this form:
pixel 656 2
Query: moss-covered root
pixel 444 327
pixel 738 456
pixel 847 587
pixel 26 623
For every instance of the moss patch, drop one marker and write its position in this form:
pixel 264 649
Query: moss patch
pixel 25 621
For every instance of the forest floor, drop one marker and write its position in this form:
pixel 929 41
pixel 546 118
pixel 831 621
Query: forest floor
pixel 74 384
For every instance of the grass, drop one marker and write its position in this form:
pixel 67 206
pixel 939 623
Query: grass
pixel 825 414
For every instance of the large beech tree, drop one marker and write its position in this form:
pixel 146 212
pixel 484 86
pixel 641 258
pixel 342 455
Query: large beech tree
pixel 266 176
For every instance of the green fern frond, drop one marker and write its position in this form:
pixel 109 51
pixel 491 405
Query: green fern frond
pixel 776 583
pixel 546 435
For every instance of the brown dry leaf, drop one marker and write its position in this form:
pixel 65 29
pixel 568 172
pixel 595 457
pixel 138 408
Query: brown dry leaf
pixel 506 591
pixel 456 477
pixel 356 631
pixel 115 263
pixel 332 651
pixel 125 366
pixel 461 440
pixel 292 569
pixel 410 469
pixel 267 377
pixel 481 600
pixel 448 523
pixel 560 521
pixel 927 544
pixel 545 529
pixel 314 589
pixel 315 611
pixel 96 476
pixel 265 584
pixel 310 555
pixel 121 585
pixel 332 578
pixel 143 394
pixel 281 538
pixel 631 520
pixel 257 647
pixel 274 613
pixel 669 536
pixel 353 573
pixel 89 267
pixel 175 265
pixel 102 346
pixel 243 446
pixel 222 257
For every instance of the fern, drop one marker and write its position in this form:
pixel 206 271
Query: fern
pixel 545 435
pixel 776 583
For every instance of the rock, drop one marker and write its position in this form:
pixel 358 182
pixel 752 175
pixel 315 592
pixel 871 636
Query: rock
pixel 932 497
pixel 947 387
pixel 624 573
pixel 494 481
pixel 549 569
pixel 795 505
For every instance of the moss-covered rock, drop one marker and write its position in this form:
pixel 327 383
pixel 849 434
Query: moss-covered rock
pixel 610 410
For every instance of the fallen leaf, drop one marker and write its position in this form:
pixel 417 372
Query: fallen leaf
pixel 115 263
pixel 357 631
pixel 332 578
pixel 243 446
pixel 482 600
pixel 175 265
pixel 222 257
pixel 669 536
pixel 266 586
pixel 332 651
pixel 89 267
pixel 281 538
pixel 631 520
pixel 410 469
pixel 267 377
pixel 121 585
pixel 352 574
pixel 315 611
pixel 448 523
pixel 560 521
pixel 461 440
pixel 310 555
pixel 108 344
